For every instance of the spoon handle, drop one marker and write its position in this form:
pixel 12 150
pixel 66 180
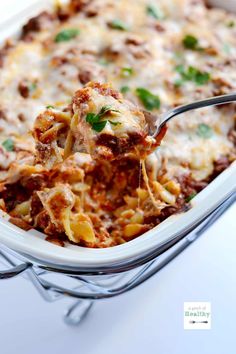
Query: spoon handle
pixel 212 101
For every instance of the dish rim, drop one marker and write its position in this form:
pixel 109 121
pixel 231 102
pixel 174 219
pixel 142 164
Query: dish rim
pixel 77 257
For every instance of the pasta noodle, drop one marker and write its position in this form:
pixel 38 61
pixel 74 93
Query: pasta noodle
pixel 89 172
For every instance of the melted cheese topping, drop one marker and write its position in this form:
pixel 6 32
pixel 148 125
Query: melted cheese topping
pixel 152 48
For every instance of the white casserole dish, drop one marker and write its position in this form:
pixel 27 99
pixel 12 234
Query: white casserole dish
pixel 33 245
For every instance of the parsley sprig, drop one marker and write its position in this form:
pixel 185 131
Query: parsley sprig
pixel 191 42
pixel 190 197
pixel 124 89
pixel 66 35
pixel 154 12
pixel 8 144
pixel 127 71
pixel 204 131
pixel 118 25
pixel 191 74
pixel 95 119
pixel 149 100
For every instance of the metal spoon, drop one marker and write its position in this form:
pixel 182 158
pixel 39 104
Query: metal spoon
pixel 213 101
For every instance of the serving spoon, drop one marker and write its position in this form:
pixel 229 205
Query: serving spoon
pixel 212 101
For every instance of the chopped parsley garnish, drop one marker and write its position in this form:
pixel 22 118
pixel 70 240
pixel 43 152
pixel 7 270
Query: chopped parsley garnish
pixel 66 35
pixel 99 126
pixel 118 25
pixel 103 61
pixel 154 12
pixel 124 89
pixel 149 100
pixel 113 123
pixel 190 42
pixel 190 197
pixel 33 86
pixel 180 69
pixel 191 74
pixel 226 48
pixel 231 24
pixel 8 144
pixel 204 131
pixel 95 119
pixel 127 71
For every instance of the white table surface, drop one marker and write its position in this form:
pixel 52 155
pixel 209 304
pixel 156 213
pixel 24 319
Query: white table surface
pixel 149 319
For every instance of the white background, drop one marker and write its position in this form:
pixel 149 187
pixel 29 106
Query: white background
pixel 149 319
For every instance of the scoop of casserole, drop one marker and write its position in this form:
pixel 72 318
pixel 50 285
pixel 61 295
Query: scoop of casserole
pixel 98 121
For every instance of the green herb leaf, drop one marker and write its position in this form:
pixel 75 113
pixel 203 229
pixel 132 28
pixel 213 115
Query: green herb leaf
pixel 118 25
pixel 33 86
pixel 201 78
pixel 103 61
pixel 124 89
pixel 154 12
pixel 226 48
pixel 178 82
pixel 106 109
pixel 95 119
pixel 92 118
pixel 99 126
pixel 193 74
pixel 114 123
pixel 180 69
pixel 66 35
pixel 190 42
pixel 149 100
pixel 8 144
pixel 231 24
pixel 204 131
pixel 127 72
pixel 49 107
pixel 190 197
pixel 198 76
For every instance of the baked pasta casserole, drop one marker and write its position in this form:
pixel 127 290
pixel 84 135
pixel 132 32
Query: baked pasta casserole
pixel 79 89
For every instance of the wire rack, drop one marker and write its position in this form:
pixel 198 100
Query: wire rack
pixel 88 288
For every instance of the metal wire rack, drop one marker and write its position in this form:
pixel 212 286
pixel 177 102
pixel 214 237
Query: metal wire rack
pixel 88 287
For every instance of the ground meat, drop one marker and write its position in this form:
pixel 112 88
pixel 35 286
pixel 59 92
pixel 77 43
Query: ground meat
pixel 14 194
pixel 78 5
pixel 36 24
pixel 137 47
pixel 33 182
pixel 180 207
pixel 190 186
pixel 36 205
pixel 20 223
pixel 62 14
pixel 119 145
pixel 3 114
pixel 159 27
pixel 55 240
pixel 22 117
pixel 23 88
pixel 219 166
pixel 85 76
